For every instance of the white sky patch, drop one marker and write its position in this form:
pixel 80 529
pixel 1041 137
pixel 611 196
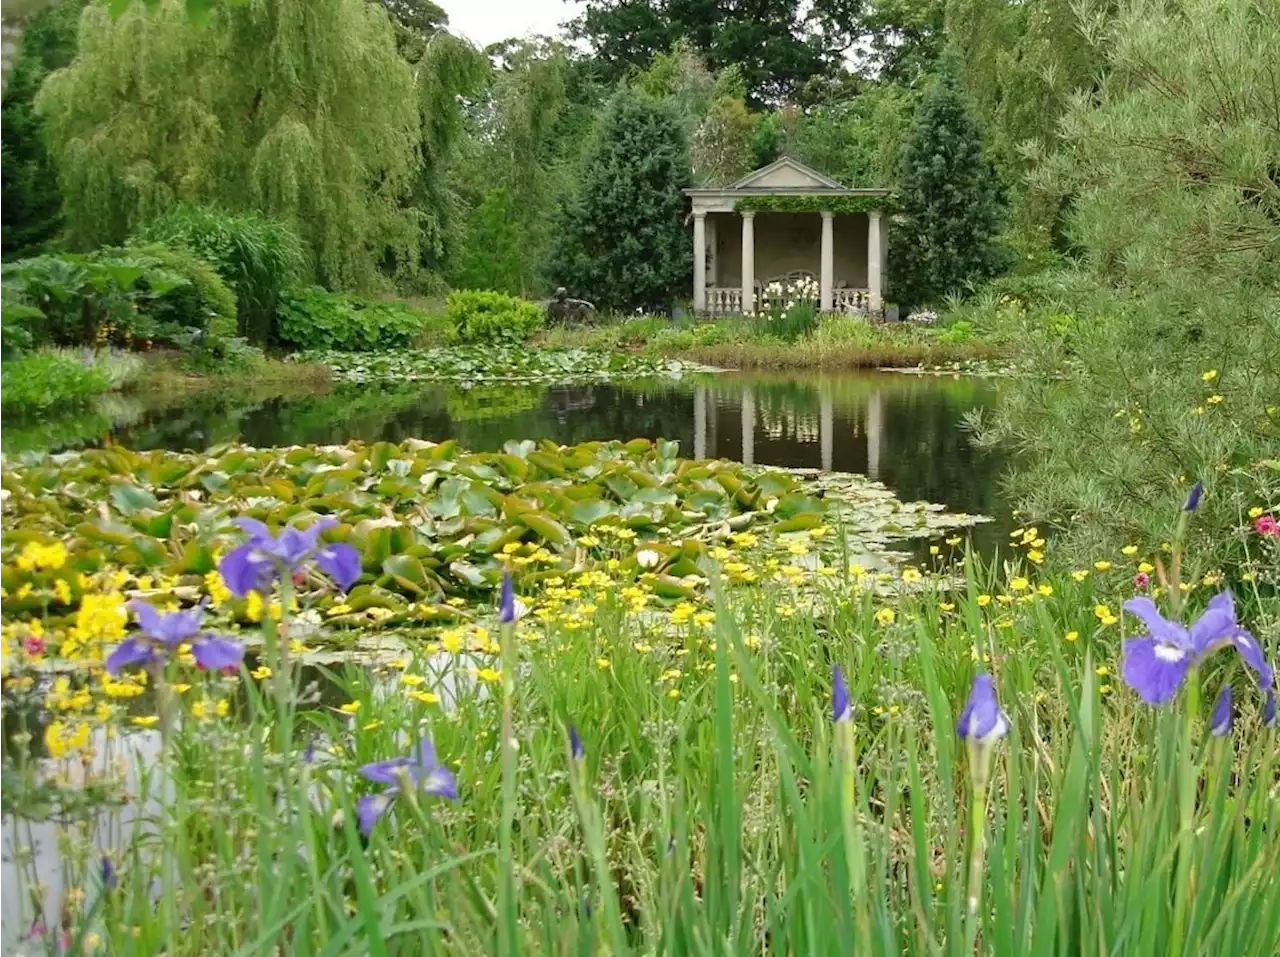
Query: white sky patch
pixel 487 21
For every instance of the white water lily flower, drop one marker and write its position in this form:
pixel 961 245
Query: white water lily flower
pixel 647 558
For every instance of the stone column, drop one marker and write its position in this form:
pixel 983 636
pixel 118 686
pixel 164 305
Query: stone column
pixel 748 427
pixel 748 261
pixel 700 422
pixel 699 263
pixel 828 268
pixel 874 258
pixel 713 260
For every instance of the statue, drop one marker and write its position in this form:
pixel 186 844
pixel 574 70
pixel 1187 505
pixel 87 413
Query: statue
pixel 562 309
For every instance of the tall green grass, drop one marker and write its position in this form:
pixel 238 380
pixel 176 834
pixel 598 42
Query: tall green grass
pixel 731 818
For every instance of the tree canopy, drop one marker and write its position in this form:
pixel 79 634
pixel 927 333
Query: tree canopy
pixel 302 110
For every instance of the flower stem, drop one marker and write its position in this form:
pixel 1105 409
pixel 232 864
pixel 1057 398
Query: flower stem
pixel 508 941
pixel 1187 777
pixel 855 847
pixel 980 760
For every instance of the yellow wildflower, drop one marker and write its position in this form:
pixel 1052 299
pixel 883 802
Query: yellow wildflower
pixel 218 591
pixel 1080 574
pixel 490 675
pixel 1019 584
pixel 351 707
pixel 886 616
pixel 1035 556
pixel 426 697
pixel 673 693
pixel 1146 568
pixel 412 681
pixel 1209 375
pixel 1102 565
pixel 984 601
pixel 1214 399
pixel 1045 590
pixel 253 607
pixel 62 591
pixel 146 721
pixel 1256 512
pixel 1129 550
pixel 603 664
pixel 911 575
pixel 1072 636
pixel 261 673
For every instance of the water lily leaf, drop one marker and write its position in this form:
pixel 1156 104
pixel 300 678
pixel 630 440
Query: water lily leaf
pixel 590 511
pixel 130 500
pixel 795 504
pixel 655 496
pixel 480 500
pixel 621 486
pixel 364 597
pixel 379 454
pixel 409 574
pixel 468 573
pixel 799 523
pixel 666 586
pixel 547 527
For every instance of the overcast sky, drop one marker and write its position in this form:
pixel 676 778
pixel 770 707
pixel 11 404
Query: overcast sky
pixel 485 21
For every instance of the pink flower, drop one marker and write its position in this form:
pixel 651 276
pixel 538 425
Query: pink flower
pixel 1267 525
pixel 1141 580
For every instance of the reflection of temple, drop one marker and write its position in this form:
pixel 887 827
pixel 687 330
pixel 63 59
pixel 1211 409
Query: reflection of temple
pixel 791 424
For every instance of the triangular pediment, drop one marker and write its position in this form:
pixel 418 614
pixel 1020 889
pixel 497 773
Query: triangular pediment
pixel 786 173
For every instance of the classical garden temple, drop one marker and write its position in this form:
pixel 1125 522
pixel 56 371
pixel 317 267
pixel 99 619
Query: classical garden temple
pixel 787 224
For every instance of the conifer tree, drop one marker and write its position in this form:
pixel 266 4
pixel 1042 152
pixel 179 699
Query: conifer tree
pixel 944 237
pixel 622 240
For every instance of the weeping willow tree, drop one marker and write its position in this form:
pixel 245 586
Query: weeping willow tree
pixel 300 109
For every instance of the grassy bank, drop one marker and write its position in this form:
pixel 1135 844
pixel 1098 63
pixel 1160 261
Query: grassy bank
pixel 706 794
pixel 167 374
pixel 836 343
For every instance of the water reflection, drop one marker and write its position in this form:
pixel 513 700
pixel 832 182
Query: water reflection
pixel 905 431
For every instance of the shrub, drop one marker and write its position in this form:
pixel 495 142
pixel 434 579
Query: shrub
pixel 205 302
pixel 256 256
pixel 114 296
pixel 48 380
pixel 959 331
pixel 481 316
pixel 315 319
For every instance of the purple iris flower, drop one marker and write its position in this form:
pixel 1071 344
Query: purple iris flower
pixel 981 720
pixel 1220 720
pixel 422 772
pixel 507 601
pixel 577 750
pixel 1193 497
pixel 1269 708
pixel 1156 664
pixel 841 707
pixel 109 878
pixel 162 634
pixel 255 565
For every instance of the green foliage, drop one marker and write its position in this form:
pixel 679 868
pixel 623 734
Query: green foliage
pixel 496 363
pixel 944 238
pixel 495 255
pixel 30 202
pixel 301 110
pixel 622 241
pixel 841 205
pixel 857 140
pixel 203 302
pixel 1158 362
pixel 130 296
pixel 777 45
pixel 258 257
pixel 479 316
pixel 315 319
pixel 723 142
pixel 44 381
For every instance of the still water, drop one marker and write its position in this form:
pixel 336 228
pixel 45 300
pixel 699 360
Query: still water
pixel 904 430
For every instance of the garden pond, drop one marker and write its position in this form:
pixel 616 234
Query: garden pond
pixel 905 431
pixel 440 485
